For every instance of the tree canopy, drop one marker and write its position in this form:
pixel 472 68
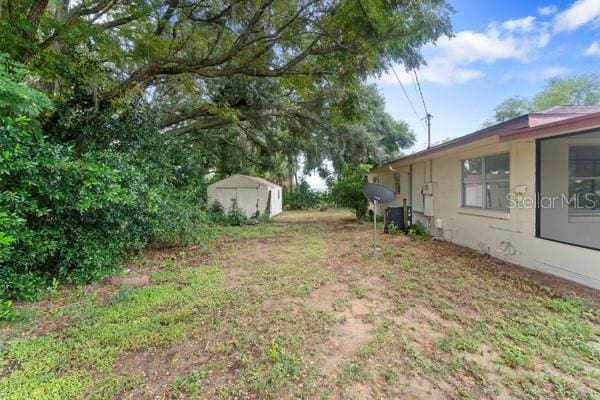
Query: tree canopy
pixel 582 90
pixel 251 76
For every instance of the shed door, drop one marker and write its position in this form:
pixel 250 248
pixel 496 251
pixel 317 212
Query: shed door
pixel 247 200
pixel 224 196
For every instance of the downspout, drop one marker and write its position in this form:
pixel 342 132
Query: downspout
pixel 431 217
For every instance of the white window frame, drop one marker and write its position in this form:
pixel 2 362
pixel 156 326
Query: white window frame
pixel 483 182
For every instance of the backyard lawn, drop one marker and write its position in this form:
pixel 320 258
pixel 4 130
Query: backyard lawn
pixel 302 308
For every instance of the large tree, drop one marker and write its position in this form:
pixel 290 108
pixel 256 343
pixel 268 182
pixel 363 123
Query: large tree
pixel 256 82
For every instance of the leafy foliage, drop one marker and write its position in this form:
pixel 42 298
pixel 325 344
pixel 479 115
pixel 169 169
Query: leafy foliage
pixel 347 191
pixel 582 90
pixel 75 217
pixel 253 84
pixel 235 215
pixel 302 197
pixel 418 231
pixel 16 97
pixel 6 310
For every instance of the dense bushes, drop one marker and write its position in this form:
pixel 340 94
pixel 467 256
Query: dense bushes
pixel 72 211
pixel 347 190
pixel 302 197
pixel 74 219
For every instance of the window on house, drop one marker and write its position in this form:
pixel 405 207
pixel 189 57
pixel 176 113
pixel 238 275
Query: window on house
pixel 397 183
pixel 485 182
pixel 584 178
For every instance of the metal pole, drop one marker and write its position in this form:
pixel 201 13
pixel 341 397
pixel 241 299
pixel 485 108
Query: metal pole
pixel 429 116
pixel 375 225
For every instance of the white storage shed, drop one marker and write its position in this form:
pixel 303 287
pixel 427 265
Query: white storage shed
pixel 255 196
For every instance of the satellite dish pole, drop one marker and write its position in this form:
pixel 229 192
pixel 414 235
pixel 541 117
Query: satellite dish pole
pixel 377 194
pixel 375 206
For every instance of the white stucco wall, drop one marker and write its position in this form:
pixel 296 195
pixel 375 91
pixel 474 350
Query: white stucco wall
pixel 505 235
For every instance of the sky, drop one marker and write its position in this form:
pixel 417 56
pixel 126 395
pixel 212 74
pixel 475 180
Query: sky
pixel 499 49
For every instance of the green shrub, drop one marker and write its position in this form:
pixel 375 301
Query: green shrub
pixel 393 229
pixel 217 209
pixel 6 310
pixel 235 215
pixel 417 230
pixel 302 197
pixel 347 190
pixel 71 212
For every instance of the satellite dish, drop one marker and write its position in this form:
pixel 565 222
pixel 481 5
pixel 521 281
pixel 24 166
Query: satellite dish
pixel 377 194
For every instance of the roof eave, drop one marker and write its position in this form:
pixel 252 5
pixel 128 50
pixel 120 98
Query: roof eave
pixel 584 122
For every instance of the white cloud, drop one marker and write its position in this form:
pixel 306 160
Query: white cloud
pixel 459 59
pixel 521 24
pixel 580 13
pixel 496 43
pixel 437 71
pixel 553 72
pixel 548 10
pixel 594 49
pixel 535 74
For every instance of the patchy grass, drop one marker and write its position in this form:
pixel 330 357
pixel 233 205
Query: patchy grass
pixel 301 307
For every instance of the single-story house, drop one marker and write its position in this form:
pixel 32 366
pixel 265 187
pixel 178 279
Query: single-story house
pixel 255 196
pixel 526 191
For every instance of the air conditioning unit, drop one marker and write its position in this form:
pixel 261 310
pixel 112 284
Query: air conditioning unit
pixel 427 189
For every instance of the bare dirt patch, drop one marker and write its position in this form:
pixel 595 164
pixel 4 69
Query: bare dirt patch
pixel 418 388
pixel 346 339
pixel 322 299
pixel 424 326
pixel 158 367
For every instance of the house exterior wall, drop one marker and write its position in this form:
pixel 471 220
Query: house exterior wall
pixel 506 235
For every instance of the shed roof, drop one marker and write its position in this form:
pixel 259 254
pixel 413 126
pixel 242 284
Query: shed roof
pixel 231 181
pixel 553 121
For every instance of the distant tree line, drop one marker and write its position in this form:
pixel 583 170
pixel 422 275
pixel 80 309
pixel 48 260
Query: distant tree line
pixel 581 90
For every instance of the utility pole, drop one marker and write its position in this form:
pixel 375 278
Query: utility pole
pixel 428 118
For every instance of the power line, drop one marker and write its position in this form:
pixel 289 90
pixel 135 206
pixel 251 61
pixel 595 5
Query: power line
pixel 412 79
pixel 406 94
pixel 427 115
pixel 420 91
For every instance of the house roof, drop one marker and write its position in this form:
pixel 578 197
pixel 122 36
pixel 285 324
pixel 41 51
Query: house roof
pixel 553 121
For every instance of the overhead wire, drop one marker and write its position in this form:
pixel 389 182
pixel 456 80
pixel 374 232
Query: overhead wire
pixel 391 65
pixel 407 97
pixel 421 92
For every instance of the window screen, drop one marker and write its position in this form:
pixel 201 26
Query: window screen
pixel 485 182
